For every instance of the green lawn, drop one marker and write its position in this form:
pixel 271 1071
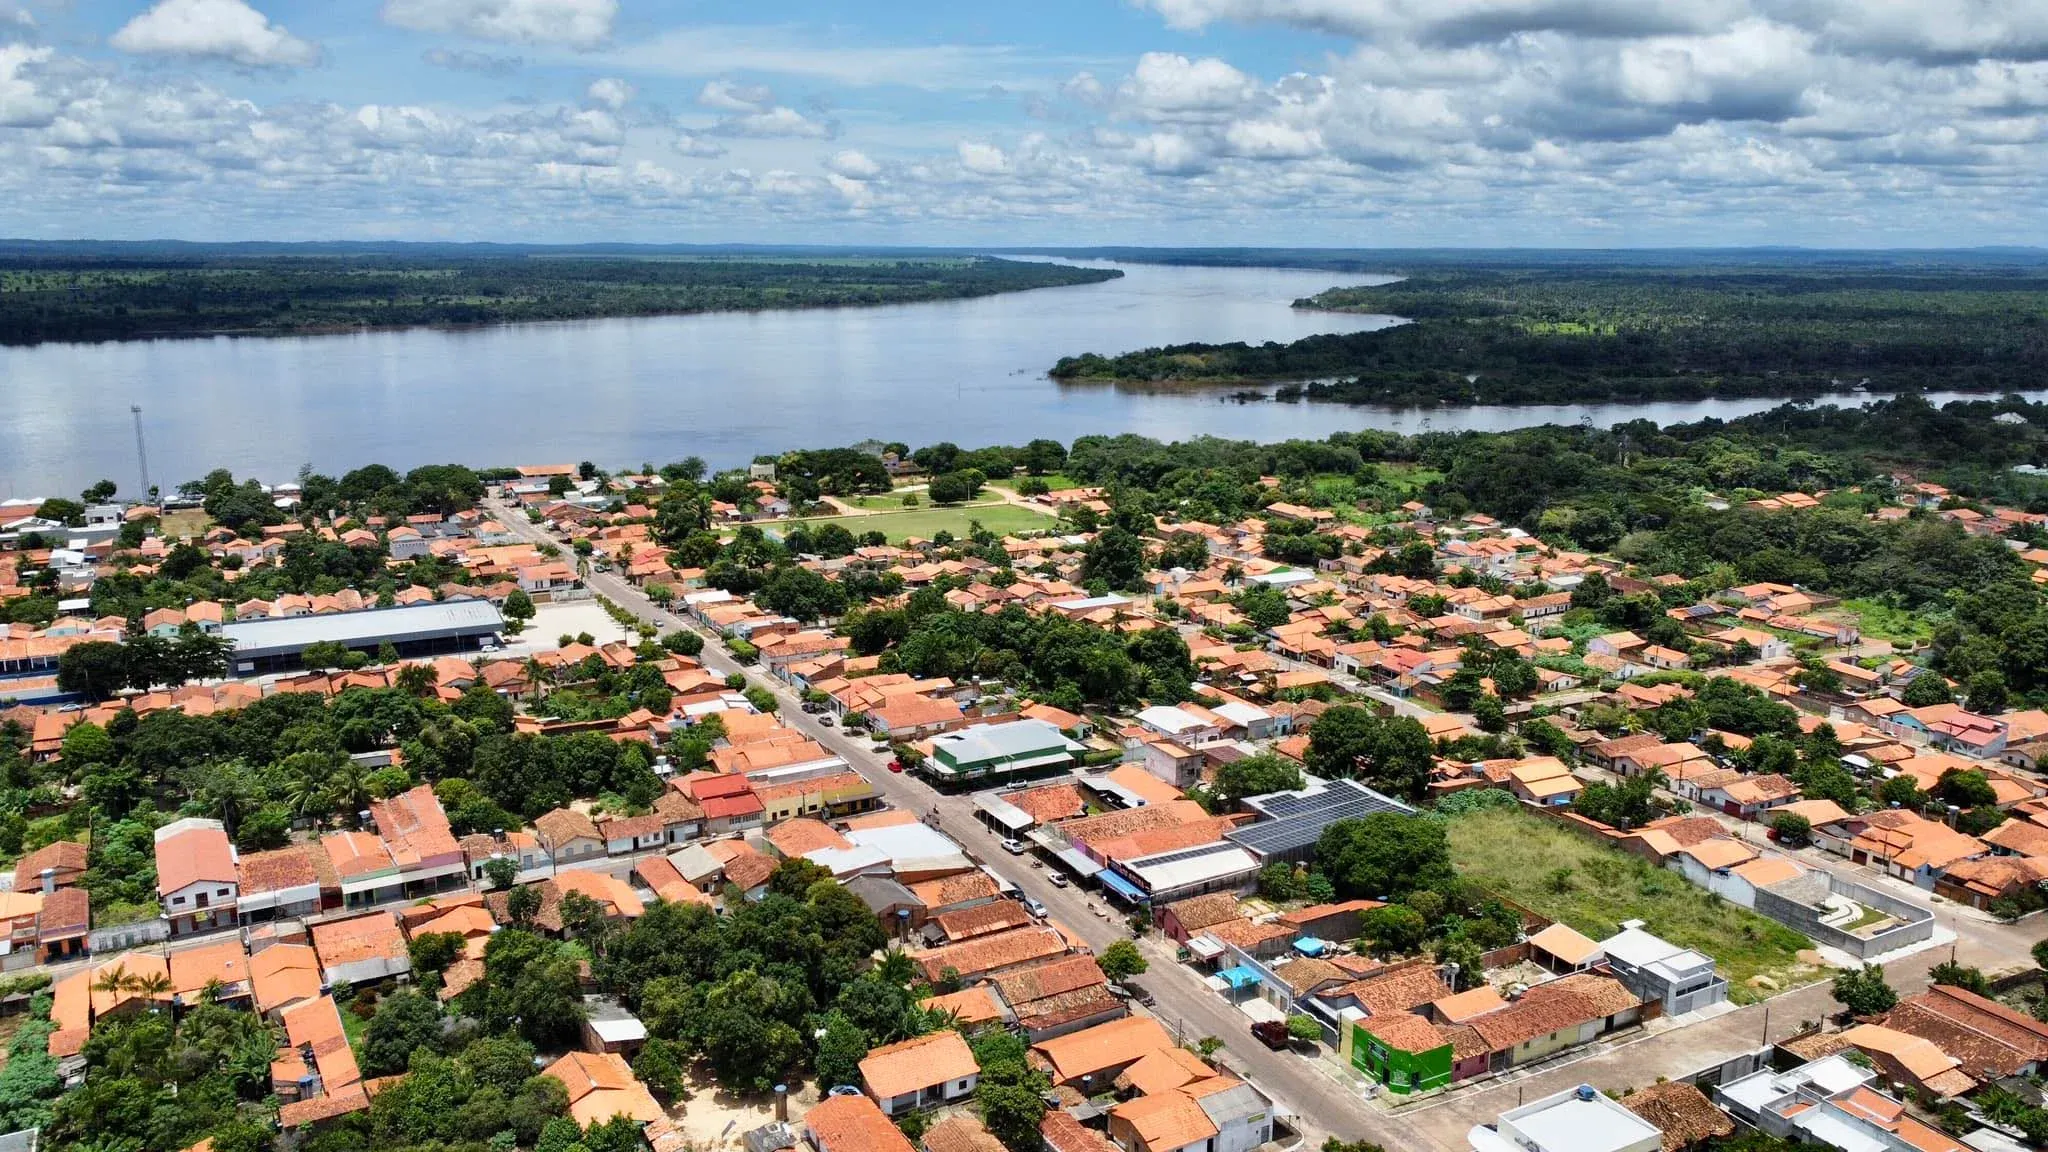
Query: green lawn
pixel 1054 482
pixel 1517 855
pixel 1002 519
pixel 894 501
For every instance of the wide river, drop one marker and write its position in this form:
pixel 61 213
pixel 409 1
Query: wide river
pixel 723 386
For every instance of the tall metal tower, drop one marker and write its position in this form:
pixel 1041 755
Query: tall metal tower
pixel 141 454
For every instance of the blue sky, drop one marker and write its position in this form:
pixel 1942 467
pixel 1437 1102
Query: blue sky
pixel 1339 122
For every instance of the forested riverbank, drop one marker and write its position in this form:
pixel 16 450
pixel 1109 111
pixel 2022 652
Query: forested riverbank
pixel 93 296
pixel 1578 335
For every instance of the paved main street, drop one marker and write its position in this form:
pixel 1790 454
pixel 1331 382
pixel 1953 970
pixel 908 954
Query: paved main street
pixel 1325 1099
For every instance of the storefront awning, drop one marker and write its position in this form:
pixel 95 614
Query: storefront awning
pixel 1074 861
pixel 1205 946
pixel 1003 812
pixel 1124 888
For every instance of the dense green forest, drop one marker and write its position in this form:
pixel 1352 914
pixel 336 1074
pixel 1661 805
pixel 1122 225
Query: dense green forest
pixel 126 294
pixel 1580 334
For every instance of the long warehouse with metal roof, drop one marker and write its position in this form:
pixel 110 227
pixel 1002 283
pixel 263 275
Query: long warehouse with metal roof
pixel 278 644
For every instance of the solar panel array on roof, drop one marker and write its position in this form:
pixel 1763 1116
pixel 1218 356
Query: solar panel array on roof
pixel 1295 820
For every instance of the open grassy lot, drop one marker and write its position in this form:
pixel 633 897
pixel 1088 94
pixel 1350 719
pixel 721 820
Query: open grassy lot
pixel 1520 856
pixel 925 523
pixel 189 523
pixel 1881 621
pixel 893 502
pixel 1054 482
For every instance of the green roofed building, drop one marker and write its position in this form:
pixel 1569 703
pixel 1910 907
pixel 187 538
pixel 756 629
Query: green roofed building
pixel 1015 747
pixel 1400 1050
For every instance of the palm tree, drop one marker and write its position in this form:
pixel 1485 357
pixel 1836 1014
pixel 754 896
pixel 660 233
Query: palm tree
pixel 417 679
pixel 116 980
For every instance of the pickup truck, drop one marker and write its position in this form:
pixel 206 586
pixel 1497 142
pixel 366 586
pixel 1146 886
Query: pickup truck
pixel 1273 1034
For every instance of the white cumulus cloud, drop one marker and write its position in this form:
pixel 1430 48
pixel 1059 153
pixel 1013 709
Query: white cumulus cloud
pixel 571 23
pixel 227 30
pixel 853 164
pixel 611 93
pixel 983 158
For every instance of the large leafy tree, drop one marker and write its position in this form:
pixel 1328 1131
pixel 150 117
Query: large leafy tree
pixel 1385 856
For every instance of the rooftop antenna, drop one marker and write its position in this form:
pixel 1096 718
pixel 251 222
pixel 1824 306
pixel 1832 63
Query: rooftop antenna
pixel 141 454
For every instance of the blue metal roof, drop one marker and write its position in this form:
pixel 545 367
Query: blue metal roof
pixel 1122 887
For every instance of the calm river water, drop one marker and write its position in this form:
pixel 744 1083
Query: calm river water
pixel 722 386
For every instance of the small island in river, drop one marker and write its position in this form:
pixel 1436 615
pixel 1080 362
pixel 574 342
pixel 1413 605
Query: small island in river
pixel 57 292
pixel 1575 334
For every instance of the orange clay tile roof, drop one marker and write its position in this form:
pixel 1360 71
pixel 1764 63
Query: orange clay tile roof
pixel 1052 978
pixel 1164 1070
pixel 194 856
pixel 960 1132
pixel 1247 935
pixel 1063 1133
pixel 1049 803
pixel 1130 821
pixel 282 974
pixel 1199 912
pixel 279 868
pixel 991 953
pixel 1105 1046
pixel 367 937
pixel 62 857
pixel 1169 1120
pixel 316 1024
pixel 1990 1039
pixel 615 894
pixel 1405 1031
pixel 1681 1112
pixel 802 835
pixel 957 889
pixel 191 969
pixel 853 1124
pixel 976 1005
pixel 920 1062
pixel 601 1086
pixel 415 827
pixel 982 920
pixel 1548 1008
pixel 327 1106
pixel 1402 990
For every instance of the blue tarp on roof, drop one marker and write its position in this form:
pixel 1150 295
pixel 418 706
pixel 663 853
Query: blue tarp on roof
pixel 1310 946
pixel 1122 887
pixel 1240 977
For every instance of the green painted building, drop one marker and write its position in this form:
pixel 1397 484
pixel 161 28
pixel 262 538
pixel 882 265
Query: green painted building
pixel 1402 1051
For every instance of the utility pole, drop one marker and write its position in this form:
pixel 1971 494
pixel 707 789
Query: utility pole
pixel 141 454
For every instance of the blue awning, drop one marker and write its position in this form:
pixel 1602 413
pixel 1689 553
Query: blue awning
pixel 1122 887
pixel 1310 946
pixel 1240 977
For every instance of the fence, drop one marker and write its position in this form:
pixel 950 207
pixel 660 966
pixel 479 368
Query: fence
pixel 1797 904
pixel 120 937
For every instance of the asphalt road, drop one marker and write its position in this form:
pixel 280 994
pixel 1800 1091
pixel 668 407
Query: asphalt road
pixel 1320 1101
pixel 1319 1097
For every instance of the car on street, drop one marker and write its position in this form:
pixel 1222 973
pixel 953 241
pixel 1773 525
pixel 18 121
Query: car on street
pixel 895 765
pixel 1032 906
pixel 1059 879
pixel 1273 1034
pixel 1014 847
pixel 827 721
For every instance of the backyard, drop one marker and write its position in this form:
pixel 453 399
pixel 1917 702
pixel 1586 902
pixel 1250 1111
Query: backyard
pixel 1568 878
pixel 1002 519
